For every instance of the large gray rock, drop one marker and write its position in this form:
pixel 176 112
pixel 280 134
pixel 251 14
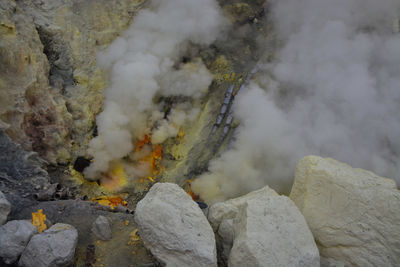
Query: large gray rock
pixel 174 228
pixel 14 236
pixel 53 247
pixel 5 208
pixel 101 228
pixel 272 233
pixel 263 229
pixel 353 214
pixel 226 210
pixel 222 214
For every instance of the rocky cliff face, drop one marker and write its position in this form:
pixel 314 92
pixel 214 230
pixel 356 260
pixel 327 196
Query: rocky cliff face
pixel 50 86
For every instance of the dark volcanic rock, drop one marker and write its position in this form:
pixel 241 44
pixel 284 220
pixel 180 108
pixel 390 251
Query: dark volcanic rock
pixel 19 168
pixel 21 173
pixel 5 208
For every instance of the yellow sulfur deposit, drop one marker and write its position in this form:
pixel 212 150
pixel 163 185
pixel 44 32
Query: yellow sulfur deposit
pixel 222 70
pixel 116 178
pixel 38 220
pixel 180 134
pixel 111 201
pixel 133 237
pixel 79 177
pixel 151 179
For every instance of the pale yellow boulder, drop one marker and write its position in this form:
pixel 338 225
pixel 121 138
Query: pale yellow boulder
pixel 353 214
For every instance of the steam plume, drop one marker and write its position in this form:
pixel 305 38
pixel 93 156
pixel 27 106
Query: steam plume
pixel 142 65
pixel 333 91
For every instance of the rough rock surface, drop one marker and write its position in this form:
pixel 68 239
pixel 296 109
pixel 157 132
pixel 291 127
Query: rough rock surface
pixel 174 228
pixel 263 229
pixel 272 233
pixel 14 236
pixel 329 262
pixel 5 208
pixel 53 247
pixel 222 214
pixel 101 228
pixel 353 214
pixel 228 210
pixel 47 54
pixel 21 173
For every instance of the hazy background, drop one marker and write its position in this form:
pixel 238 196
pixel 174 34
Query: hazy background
pixel 333 90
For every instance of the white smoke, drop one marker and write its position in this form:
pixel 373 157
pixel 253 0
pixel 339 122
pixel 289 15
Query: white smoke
pixel 142 65
pixel 334 91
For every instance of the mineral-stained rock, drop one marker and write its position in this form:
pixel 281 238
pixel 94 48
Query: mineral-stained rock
pixel 263 229
pixel 353 214
pixel 50 84
pixel 5 208
pixel 53 247
pixel 174 228
pixel 14 236
pixel 101 228
pixel 27 103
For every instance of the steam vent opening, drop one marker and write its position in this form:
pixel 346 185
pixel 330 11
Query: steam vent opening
pixel 199 133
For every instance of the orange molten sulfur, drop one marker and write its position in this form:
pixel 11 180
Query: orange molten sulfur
pixel 193 195
pixel 143 142
pixel 156 156
pixel 190 192
pixel 111 201
pixel 154 159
